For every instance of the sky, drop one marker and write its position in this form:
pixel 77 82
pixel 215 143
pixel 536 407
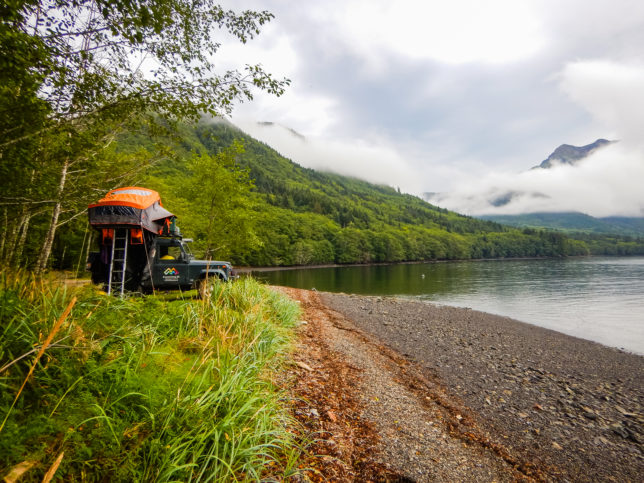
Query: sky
pixel 459 98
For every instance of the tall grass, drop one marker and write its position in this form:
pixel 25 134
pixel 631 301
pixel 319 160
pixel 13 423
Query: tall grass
pixel 144 389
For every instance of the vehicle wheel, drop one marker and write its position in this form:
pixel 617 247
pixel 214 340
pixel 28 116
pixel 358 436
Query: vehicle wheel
pixel 206 287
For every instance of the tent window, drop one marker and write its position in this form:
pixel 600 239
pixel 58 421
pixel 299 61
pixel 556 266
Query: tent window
pixel 108 235
pixel 136 236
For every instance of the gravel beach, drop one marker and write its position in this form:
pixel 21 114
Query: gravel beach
pixel 436 393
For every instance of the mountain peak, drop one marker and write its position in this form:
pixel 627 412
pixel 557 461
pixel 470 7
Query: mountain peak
pixel 568 154
pixel 280 126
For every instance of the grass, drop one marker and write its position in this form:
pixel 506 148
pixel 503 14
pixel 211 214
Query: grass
pixel 143 389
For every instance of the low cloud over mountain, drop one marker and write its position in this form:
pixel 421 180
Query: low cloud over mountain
pixel 604 182
pixel 600 181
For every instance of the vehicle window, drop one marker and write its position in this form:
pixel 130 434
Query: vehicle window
pixel 186 248
pixel 170 253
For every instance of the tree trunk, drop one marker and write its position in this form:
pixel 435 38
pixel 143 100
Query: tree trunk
pixel 45 252
pixel 88 247
pixel 24 226
pixel 3 237
pixel 9 241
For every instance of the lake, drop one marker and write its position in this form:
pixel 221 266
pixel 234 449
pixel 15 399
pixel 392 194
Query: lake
pixel 600 299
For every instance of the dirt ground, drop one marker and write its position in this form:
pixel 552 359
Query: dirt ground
pixel 452 411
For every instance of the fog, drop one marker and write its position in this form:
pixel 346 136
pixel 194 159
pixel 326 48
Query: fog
pixel 607 183
pixel 373 161
pixel 452 97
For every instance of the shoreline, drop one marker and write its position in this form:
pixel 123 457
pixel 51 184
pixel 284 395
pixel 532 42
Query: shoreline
pixel 278 268
pixel 533 400
pixel 593 314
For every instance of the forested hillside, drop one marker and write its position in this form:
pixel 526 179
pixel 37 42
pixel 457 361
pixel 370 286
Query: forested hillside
pixel 242 201
pixel 284 214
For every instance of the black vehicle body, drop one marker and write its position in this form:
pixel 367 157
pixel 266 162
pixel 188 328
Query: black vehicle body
pixel 173 266
pixel 166 264
pixel 141 247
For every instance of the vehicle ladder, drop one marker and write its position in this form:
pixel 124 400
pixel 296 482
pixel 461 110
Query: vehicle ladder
pixel 118 261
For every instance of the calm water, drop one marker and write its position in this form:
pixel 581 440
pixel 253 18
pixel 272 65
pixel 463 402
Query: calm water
pixel 600 299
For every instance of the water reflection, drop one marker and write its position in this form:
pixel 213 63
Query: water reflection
pixel 595 298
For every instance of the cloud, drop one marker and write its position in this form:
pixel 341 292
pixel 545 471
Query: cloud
pixel 456 96
pixel 452 32
pixel 611 92
pixel 373 161
pixel 608 182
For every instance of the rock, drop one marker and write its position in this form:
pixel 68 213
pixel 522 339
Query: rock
pixel 619 430
pixel 600 440
pixel 303 366
pixel 620 409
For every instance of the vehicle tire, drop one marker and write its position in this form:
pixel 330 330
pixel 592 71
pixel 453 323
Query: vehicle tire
pixel 206 287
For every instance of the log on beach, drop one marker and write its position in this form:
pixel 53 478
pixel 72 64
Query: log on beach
pixel 570 406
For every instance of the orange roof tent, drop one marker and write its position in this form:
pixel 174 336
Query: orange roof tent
pixel 132 206
pixel 130 196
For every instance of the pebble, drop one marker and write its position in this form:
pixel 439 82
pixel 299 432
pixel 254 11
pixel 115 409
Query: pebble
pixel 558 388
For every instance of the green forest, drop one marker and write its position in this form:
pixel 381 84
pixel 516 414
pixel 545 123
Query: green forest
pixel 297 216
pixel 73 126
pixel 242 201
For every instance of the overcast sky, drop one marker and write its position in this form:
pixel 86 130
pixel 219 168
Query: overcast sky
pixel 459 97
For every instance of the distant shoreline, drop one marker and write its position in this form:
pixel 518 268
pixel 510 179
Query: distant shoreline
pixel 412 262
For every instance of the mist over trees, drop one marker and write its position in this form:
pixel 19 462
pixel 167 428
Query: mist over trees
pixel 297 216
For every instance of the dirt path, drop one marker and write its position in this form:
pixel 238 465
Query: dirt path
pixel 375 417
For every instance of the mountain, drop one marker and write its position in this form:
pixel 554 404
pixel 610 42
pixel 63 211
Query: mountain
pixel 299 216
pixel 570 222
pixel 564 154
pixel 567 154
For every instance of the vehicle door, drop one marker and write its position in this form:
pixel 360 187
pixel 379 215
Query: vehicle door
pixel 171 265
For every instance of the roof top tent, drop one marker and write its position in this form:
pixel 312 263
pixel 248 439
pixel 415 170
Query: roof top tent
pixel 133 207
pixel 128 220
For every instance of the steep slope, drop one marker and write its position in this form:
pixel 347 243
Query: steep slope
pixel 298 216
pixel 348 201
